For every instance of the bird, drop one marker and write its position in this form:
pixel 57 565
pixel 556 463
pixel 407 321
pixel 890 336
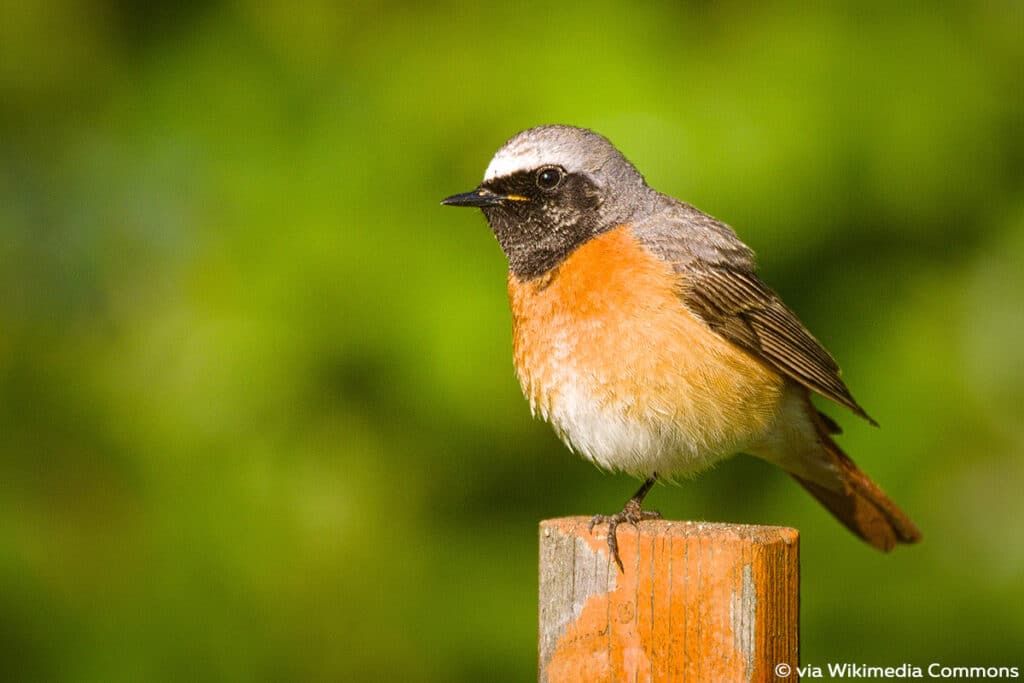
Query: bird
pixel 643 335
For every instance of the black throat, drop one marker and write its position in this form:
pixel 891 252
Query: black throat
pixel 540 233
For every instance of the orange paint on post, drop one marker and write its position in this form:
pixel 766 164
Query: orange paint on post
pixel 697 602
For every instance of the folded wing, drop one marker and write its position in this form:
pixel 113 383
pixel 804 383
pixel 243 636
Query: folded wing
pixel 741 308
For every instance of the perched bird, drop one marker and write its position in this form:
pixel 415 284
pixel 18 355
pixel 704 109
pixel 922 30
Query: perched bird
pixel 643 335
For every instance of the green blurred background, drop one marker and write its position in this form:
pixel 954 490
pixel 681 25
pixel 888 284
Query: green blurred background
pixel 258 419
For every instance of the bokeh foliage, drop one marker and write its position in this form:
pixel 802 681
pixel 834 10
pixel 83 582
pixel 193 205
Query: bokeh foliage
pixel 257 409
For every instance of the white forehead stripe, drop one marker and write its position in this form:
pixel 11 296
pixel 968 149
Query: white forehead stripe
pixel 508 161
pixel 526 153
pixel 577 150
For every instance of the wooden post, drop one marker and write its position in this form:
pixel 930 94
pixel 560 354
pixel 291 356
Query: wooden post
pixel 697 602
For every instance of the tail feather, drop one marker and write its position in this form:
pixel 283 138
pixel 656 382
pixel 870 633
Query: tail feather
pixel 861 505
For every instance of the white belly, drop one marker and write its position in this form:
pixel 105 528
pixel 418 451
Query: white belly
pixel 620 435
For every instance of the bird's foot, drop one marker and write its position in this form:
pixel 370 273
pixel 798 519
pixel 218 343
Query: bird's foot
pixel 631 514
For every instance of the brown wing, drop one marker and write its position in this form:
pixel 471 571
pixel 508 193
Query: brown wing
pixel 741 308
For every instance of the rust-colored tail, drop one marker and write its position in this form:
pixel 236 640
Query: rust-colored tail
pixel 862 506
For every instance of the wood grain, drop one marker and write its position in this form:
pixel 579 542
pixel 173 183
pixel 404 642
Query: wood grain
pixel 697 602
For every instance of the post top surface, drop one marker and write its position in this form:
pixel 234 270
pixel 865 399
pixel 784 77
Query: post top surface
pixel 750 533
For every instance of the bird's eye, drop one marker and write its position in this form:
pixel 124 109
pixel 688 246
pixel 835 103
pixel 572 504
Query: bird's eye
pixel 549 177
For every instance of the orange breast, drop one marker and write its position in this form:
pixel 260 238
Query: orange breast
pixel 605 351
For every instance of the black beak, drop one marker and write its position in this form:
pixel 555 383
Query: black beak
pixel 480 197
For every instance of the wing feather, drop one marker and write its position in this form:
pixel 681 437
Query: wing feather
pixel 717 283
pixel 737 305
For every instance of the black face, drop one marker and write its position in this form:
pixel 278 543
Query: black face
pixel 546 214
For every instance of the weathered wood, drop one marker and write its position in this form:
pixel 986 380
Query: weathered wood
pixel 697 602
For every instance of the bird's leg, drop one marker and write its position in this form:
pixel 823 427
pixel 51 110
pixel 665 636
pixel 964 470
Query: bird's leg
pixel 631 513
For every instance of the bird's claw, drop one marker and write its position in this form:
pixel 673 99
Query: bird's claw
pixel 631 514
